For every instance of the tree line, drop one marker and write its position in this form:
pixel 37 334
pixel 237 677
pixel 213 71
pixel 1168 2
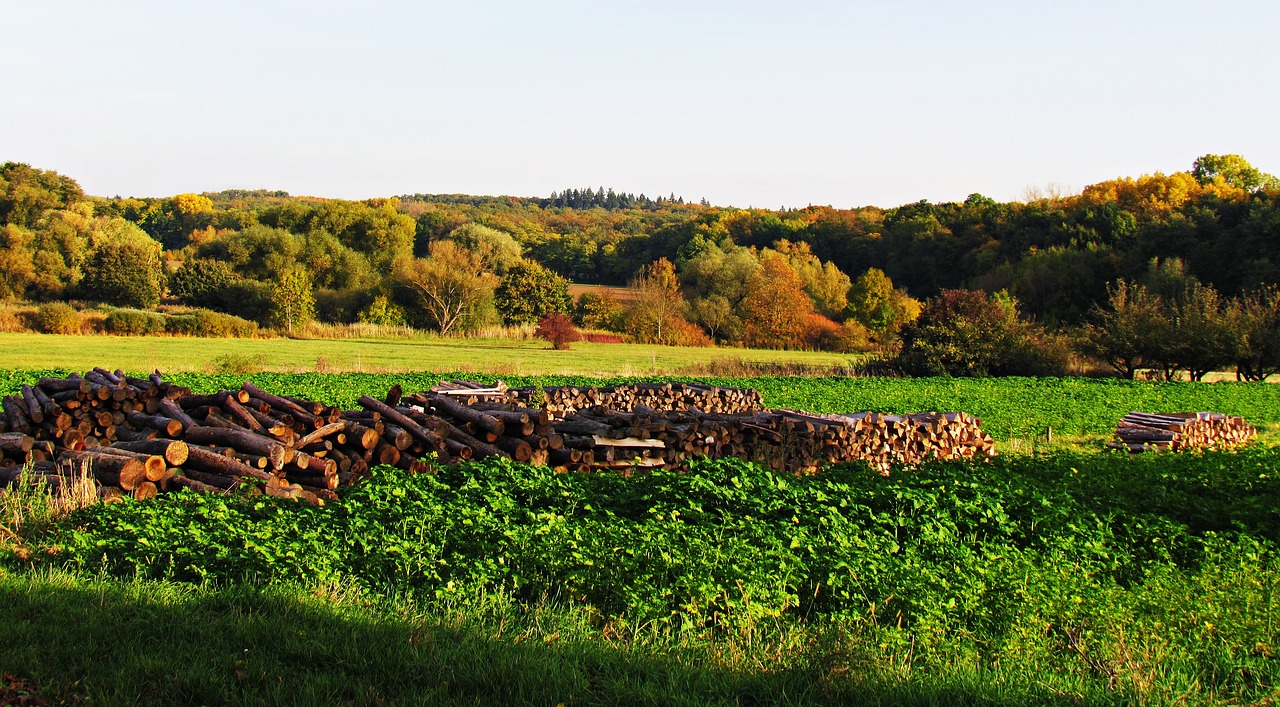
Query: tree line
pixel 816 277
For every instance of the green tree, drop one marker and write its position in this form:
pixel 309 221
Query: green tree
pixel 1255 324
pixel 1233 170
pixel 498 251
pixel 826 286
pixel 17 267
pixel 1120 333
pixel 124 267
pixel 876 305
pixel 528 292
pixel 292 300
pixel 26 193
pixel 202 282
pixel 449 287
pixel 971 333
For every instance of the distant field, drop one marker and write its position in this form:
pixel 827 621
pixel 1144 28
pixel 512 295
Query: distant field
pixel 383 355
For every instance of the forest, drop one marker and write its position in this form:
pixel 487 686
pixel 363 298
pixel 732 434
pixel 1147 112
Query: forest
pixel 1052 276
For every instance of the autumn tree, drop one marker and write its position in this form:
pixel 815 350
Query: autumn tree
pixel 826 286
pixel 877 305
pixel 558 329
pixel 776 308
pixel 529 292
pixel 449 285
pixel 658 309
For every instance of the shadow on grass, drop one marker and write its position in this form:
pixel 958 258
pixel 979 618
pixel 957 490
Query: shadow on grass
pixel 114 642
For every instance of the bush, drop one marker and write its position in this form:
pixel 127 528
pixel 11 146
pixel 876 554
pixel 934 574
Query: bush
pixel 559 330
pixel 203 322
pixel 56 318
pixel 134 322
pixel 971 333
pixel 125 275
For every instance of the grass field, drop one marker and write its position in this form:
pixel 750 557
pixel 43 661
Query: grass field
pixel 388 355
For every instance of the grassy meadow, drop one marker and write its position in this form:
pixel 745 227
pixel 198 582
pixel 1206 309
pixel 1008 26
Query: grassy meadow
pixel 384 355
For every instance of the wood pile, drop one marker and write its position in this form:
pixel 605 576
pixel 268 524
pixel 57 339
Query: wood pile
pixel 1179 431
pixel 144 436
pixel 565 400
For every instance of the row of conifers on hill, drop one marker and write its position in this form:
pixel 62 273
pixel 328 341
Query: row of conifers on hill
pixel 143 436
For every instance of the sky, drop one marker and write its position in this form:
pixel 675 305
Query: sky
pixel 743 103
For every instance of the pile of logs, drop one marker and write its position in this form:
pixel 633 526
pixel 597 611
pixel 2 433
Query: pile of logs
pixel 144 436
pixel 564 400
pixel 1178 431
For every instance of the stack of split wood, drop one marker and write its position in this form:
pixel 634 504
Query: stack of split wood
pixel 1177 431
pixel 564 400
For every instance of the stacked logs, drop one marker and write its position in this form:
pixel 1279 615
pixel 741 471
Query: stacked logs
pixel 144 436
pixel 564 400
pixel 1179 431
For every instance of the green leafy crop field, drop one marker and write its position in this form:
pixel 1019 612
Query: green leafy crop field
pixel 1063 575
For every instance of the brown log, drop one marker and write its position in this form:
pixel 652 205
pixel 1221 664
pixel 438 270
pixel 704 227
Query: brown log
pixel 166 425
pixel 154 463
pixel 174 451
pixel 320 433
pixel 221 482
pixel 241 440
pixel 187 482
pixel 207 460
pixel 364 437
pixel 431 439
pixel 123 472
pixel 168 408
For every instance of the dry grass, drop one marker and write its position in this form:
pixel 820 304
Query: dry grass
pixel 28 504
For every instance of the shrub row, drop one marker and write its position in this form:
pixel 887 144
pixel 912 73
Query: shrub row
pixel 61 318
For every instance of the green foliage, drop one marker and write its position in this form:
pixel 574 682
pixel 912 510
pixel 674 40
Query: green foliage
pixel 202 282
pixel 293 304
pixel 528 292
pixel 27 193
pixel 134 322
pixel 57 318
pixel 206 323
pixel 381 310
pixel 967 333
pixel 17 269
pixel 124 274
pixel 1233 170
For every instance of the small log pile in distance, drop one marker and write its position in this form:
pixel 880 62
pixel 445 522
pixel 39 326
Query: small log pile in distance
pixel 564 400
pixel 144 436
pixel 1179 431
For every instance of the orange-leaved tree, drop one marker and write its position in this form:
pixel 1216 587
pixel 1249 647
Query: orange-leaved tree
pixel 776 308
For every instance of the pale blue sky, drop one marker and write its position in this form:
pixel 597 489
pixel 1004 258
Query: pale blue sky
pixel 744 103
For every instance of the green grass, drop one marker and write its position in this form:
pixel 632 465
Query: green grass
pixel 1057 579
pixel 427 353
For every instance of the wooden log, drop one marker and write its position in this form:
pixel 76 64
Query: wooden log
pixel 241 440
pixel 165 425
pixel 123 472
pixel 207 460
pixel 174 451
pixel 431 439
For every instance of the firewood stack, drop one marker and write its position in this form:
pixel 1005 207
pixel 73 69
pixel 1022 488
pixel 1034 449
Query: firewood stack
pixel 1180 431
pixel 565 400
pixel 144 436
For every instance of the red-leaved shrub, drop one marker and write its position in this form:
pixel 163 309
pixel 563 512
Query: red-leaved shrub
pixel 559 330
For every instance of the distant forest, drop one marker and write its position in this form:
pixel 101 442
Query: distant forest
pixel 1057 258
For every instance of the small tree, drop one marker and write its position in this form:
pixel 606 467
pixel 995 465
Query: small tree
pixel 971 333
pixel 1255 323
pixel 1120 333
pixel 559 330
pixel 658 309
pixel 529 292
pixel 292 301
